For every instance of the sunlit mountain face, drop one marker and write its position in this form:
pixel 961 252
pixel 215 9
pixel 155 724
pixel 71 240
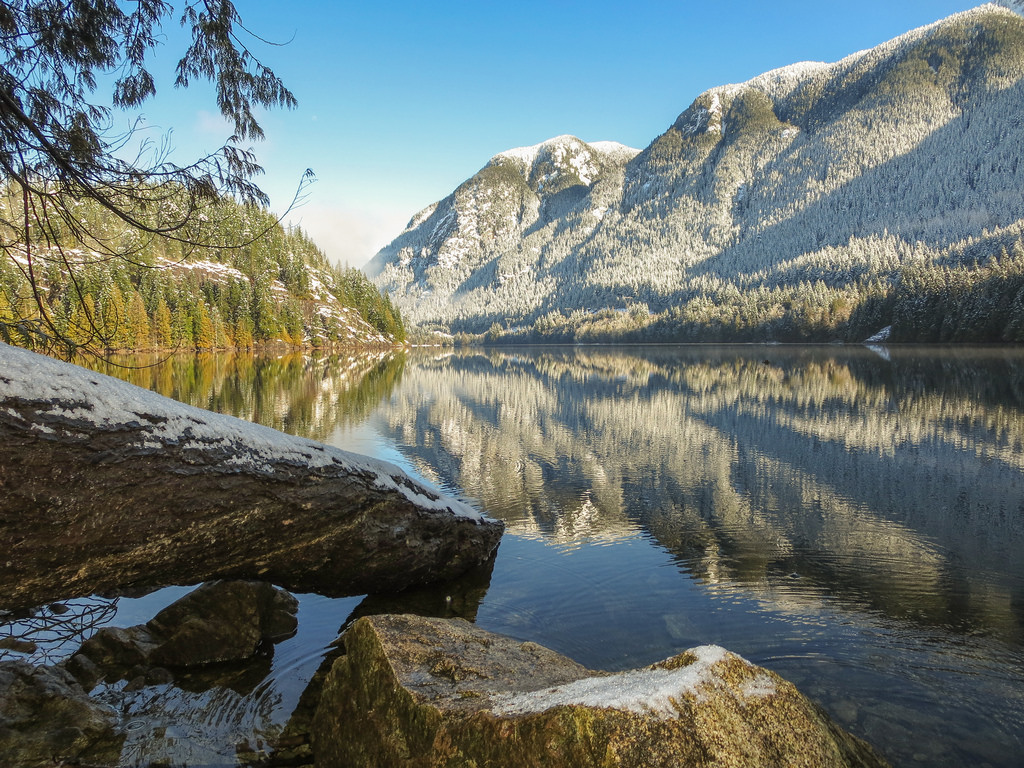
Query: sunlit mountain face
pixel 801 205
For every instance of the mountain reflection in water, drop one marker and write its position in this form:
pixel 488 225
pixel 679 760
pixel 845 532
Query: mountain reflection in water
pixel 896 486
pixel 854 522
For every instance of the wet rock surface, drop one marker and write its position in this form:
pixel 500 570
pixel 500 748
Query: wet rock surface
pixel 106 486
pixel 220 621
pixel 416 692
pixel 46 719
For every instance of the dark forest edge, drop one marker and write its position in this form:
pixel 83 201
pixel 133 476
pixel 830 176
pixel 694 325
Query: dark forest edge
pixel 274 287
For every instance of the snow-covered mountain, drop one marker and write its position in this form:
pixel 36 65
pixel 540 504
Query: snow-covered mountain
pixel 473 239
pixel 812 184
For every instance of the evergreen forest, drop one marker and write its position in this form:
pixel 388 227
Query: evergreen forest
pixel 240 279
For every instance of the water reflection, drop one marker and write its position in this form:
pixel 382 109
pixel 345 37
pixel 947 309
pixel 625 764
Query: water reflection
pixel 258 712
pixel 895 485
pixel 307 395
pixel 853 521
pixel 50 633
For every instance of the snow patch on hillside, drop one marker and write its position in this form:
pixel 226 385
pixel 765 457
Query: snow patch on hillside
pixel 614 149
pixel 1017 6
pixel 530 155
pixel 212 270
pixel 780 83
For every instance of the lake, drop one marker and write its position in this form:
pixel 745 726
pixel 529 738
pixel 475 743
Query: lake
pixel 850 518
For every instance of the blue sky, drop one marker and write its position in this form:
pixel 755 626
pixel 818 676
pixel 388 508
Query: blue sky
pixel 399 102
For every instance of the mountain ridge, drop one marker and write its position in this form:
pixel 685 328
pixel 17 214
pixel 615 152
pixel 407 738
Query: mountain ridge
pixel 843 174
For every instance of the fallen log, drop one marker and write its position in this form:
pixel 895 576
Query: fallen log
pixel 106 487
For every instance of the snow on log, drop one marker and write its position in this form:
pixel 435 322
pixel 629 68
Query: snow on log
pixel 106 486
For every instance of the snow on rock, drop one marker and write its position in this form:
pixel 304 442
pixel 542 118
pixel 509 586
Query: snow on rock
pixel 65 395
pixel 445 691
pixel 644 691
pixel 882 335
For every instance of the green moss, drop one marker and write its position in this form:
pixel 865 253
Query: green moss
pixel 677 662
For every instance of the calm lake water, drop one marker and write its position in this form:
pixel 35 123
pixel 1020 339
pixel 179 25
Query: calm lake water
pixel 850 518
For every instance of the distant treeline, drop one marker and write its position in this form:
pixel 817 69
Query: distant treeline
pixel 978 302
pixel 274 286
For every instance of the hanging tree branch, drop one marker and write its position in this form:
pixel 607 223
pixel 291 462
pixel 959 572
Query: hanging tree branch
pixel 57 143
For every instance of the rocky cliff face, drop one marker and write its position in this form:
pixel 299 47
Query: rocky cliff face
pixel 809 177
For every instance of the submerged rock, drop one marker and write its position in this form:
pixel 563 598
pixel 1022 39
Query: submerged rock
pixel 434 692
pixel 222 621
pixel 107 486
pixel 46 719
pixel 18 645
pixel 219 621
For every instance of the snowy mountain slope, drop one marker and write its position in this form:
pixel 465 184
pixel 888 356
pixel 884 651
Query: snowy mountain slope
pixel 483 233
pixel 832 174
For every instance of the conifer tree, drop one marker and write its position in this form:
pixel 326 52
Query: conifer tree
pixel 204 335
pixel 138 322
pixel 162 334
pixel 243 333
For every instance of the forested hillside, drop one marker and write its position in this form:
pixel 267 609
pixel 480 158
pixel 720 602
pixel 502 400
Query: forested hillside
pixel 252 282
pixel 814 202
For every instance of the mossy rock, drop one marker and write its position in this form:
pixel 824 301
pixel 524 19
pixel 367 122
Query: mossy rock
pixel 423 693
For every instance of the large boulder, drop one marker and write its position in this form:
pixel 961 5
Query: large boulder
pixel 105 486
pixel 421 692
pixel 46 719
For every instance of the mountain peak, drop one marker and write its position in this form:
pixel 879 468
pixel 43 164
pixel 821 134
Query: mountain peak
pixel 559 145
pixel 530 154
pixel 1014 5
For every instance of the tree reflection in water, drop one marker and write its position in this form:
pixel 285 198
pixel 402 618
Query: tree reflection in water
pixel 50 633
pixel 892 484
